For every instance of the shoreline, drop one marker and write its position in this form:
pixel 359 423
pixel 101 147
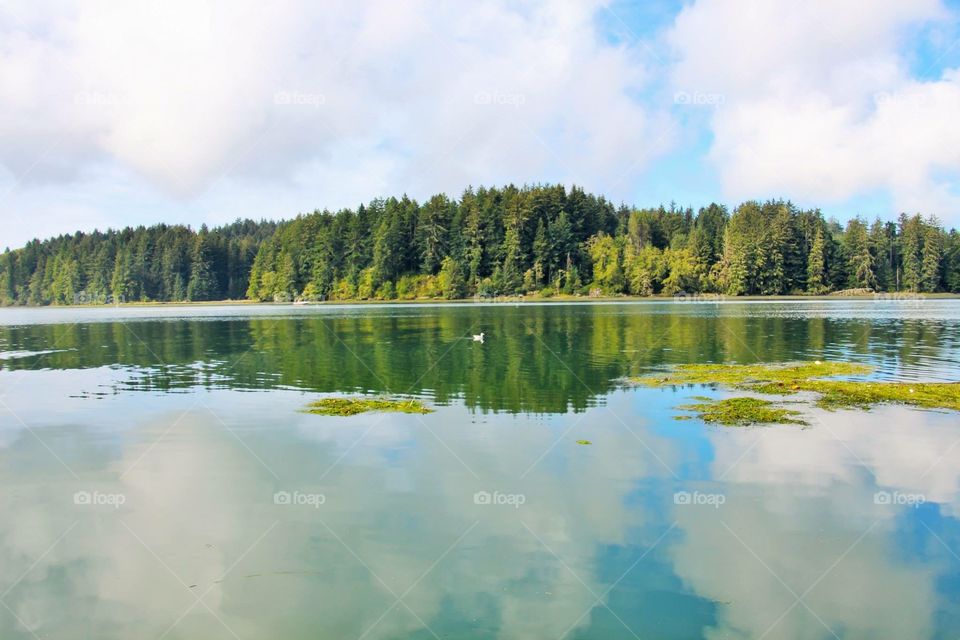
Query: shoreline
pixel 901 297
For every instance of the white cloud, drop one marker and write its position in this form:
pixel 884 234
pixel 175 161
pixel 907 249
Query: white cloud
pixel 113 113
pixel 819 102
pixel 426 95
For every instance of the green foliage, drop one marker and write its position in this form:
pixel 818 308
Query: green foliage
pixel 742 412
pixel 911 247
pixel 202 283
pixel 860 260
pixel 121 280
pixel 784 374
pixel 535 239
pixel 646 270
pixel 817 282
pixel 605 254
pixel 952 259
pixel 366 284
pixel 355 406
pixel 789 378
pixel 450 280
pixel 931 264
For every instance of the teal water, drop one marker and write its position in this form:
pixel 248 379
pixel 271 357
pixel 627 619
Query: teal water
pixel 158 478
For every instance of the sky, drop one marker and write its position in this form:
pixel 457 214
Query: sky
pixel 128 113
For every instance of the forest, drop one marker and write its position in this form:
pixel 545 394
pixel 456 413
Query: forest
pixel 541 240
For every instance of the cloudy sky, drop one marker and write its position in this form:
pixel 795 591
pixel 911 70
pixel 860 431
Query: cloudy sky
pixel 116 113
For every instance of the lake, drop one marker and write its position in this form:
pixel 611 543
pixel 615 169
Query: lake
pixel 159 478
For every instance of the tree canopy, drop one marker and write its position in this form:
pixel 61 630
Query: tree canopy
pixel 542 239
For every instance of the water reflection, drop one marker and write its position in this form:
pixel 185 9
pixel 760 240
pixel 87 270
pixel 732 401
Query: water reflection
pixel 598 549
pixel 818 535
pixel 199 499
pixel 539 358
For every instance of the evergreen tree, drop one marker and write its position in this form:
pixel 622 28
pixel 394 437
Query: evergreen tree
pixel 911 249
pixel 541 255
pixel 816 265
pixel 882 243
pixel 510 239
pixel 930 268
pixel 856 243
pixel 451 280
pixel 952 260
pixel 9 277
pixel 432 232
pixel 561 244
pixel 201 285
pixel 120 279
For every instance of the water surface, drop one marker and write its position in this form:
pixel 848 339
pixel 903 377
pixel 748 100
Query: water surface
pixel 158 478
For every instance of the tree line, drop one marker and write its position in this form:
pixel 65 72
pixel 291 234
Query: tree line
pixel 542 240
pixel 157 263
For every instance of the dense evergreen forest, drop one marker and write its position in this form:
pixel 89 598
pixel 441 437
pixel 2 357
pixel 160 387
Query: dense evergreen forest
pixel 542 240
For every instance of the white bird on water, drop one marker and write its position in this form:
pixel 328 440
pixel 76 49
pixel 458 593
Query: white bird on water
pixel 478 338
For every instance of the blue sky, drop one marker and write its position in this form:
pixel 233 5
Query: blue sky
pixel 115 114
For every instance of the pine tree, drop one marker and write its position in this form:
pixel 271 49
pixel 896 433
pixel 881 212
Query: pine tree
pixel 911 248
pixel 541 254
pixel 201 285
pixel 120 280
pixel 930 268
pixel 860 269
pixel 952 262
pixel 451 280
pixel 881 248
pixel 746 251
pixel 816 265
pixel 560 234
pixel 777 277
pixel 432 232
pixel 65 285
pixel 511 276
pixel 9 278
pixel 260 266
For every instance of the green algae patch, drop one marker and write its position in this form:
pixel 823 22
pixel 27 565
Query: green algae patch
pixel 784 376
pixel 793 377
pixel 354 406
pixel 742 412
pixel 584 442
pixel 839 394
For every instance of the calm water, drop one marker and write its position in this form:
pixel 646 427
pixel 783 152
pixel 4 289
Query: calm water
pixel 158 480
